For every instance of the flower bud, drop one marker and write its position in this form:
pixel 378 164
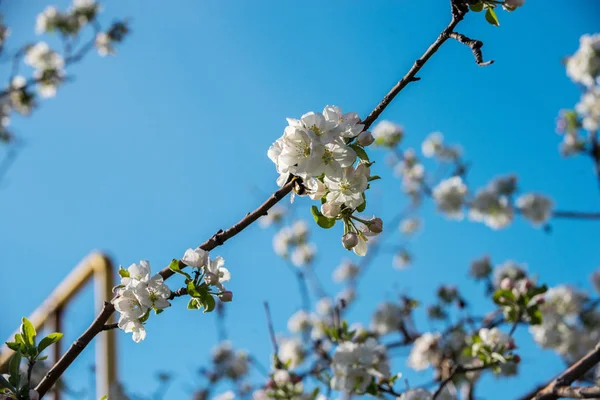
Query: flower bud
pixel 365 139
pixel 350 240
pixel 226 296
pixel 511 345
pixel 516 359
pixel 330 210
pixel 506 284
pixel 376 225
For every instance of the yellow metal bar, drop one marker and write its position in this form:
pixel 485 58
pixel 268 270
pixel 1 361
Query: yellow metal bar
pixel 98 267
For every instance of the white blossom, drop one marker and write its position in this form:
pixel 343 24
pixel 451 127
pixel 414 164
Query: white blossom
pixel 216 274
pixel 303 254
pixel 291 351
pixel 196 258
pixel 535 207
pixel 133 326
pixel 230 363
pixel 416 394
pixel 481 268
pixel 450 196
pixel 589 108
pixel 584 66
pixel 348 187
pixel 300 321
pixel 355 364
pixel 346 271
pixel 137 294
pixel 47 20
pixel 387 134
pixel 401 259
pixel 433 146
pixel 387 318
pixel 410 225
pixel 40 56
pixel 228 395
pixel 104 44
pixel 424 351
pixel 154 294
pixel 316 188
pixel 494 337
pixel 509 269
pixel 490 208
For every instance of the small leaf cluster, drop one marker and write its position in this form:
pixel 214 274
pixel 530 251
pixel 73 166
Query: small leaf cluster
pixel 199 291
pixel 25 347
pixel 521 304
pixel 489 6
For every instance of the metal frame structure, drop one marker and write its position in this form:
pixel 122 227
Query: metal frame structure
pixel 99 268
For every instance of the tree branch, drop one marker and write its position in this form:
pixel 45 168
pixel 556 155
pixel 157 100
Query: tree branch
pixel 459 10
pixel 552 390
pixel 576 215
pixel 568 392
pixel 76 348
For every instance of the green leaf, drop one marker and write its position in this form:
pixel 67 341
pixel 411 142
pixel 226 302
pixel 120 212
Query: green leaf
pixel 363 205
pixel 534 291
pixel 373 178
pixel 19 338
pixel 194 304
pixel 145 317
pixel 14 365
pixel 14 346
pixel 123 273
pixel 360 152
pixel 105 397
pixel 322 220
pixel 477 7
pixel 503 297
pixel 174 266
pixel 209 303
pixel 193 290
pixel 5 384
pixel 372 389
pixel 491 17
pixel 49 340
pixel 535 316
pixel 28 332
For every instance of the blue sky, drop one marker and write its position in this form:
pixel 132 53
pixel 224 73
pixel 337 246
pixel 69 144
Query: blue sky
pixel 150 152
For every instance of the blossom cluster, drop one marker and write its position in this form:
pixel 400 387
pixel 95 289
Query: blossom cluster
pixel 137 295
pixel 583 68
pixel 292 241
pixel 356 364
pixel 47 64
pixel 493 205
pixel 569 325
pixel 322 149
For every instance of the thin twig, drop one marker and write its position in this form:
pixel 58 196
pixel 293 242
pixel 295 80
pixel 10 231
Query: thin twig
pixel 272 332
pixel 570 375
pixel 475 46
pixel 459 10
pixel 576 215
